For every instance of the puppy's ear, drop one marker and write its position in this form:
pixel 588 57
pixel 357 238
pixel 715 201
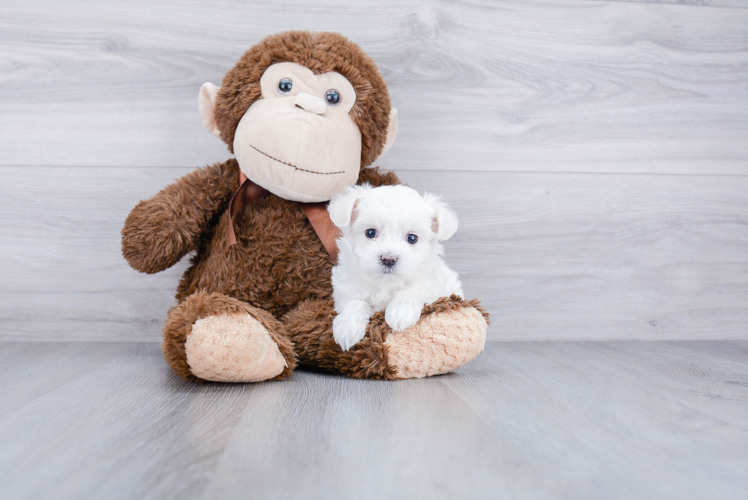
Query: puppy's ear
pixel 444 222
pixel 343 205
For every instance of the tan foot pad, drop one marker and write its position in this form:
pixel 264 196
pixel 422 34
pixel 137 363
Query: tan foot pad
pixel 232 348
pixel 438 343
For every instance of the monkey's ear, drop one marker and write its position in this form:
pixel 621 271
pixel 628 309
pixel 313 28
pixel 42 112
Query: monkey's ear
pixel 342 207
pixel 206 105
pixel 391 131
pixel 444 223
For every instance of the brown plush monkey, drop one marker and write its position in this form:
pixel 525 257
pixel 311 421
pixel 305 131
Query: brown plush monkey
pixel 305 114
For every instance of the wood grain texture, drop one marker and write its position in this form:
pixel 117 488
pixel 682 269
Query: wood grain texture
pixel 30 369
pixel 624 420
pixel 563 257
pixel 594 150
pixel 502 86
pixel 694 3
pixel 571 257
pixel 645 420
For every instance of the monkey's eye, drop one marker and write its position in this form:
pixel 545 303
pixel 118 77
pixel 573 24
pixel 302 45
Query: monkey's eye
pixel 412 238
pixel 285 86
pixel 332 97
pixel 371 233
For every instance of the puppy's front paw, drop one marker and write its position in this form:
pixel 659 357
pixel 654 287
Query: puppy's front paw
pixel 402 314
pixel 348 330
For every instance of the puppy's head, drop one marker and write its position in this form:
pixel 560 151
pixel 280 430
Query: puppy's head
pixel 390 230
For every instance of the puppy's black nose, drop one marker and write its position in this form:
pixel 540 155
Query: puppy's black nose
pixel 389 260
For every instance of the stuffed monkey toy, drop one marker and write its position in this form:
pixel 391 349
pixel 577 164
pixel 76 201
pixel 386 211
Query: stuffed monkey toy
pixel 305 115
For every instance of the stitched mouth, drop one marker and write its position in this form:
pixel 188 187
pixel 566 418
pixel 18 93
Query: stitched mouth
pixel 294 166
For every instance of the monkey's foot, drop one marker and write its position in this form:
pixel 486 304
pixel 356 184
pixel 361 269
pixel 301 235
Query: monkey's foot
pixel 450 333
pixel 221 339
pixel 232 348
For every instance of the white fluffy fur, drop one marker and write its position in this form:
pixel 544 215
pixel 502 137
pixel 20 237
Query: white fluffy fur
pixel 362 284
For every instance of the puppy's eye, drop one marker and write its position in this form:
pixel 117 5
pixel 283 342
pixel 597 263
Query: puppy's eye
pixel 332 97
pixel 371 233
pixel 412 238
pixel 285 86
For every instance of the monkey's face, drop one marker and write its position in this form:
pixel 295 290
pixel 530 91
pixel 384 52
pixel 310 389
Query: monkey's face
pixel 299 141
pixel 303 136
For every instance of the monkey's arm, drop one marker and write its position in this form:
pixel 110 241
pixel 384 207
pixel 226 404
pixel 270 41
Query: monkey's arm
pixel 160 231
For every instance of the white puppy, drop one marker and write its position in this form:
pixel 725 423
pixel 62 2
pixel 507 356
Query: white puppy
pixel 390 257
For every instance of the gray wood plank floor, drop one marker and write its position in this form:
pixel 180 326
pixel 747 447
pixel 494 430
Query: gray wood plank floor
pixel 572 420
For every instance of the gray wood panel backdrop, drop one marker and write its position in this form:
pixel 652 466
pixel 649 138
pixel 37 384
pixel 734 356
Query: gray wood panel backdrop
pixel 596 151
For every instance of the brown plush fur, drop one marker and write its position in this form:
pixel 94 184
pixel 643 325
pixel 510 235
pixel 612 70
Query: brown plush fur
pixel 201 305
pixel 455 302
pixel 321 52
pixel 278 267
pixel 160 231
pixel 310 327
pixel 277 263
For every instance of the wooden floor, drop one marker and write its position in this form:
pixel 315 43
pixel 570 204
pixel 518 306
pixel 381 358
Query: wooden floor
pixel 595 152
pixel 570 420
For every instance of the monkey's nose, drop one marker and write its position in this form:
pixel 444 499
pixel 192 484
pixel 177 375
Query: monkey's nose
pixel 388 260
pixel 310 103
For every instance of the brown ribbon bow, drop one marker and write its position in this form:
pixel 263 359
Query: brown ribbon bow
pixel 317 214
